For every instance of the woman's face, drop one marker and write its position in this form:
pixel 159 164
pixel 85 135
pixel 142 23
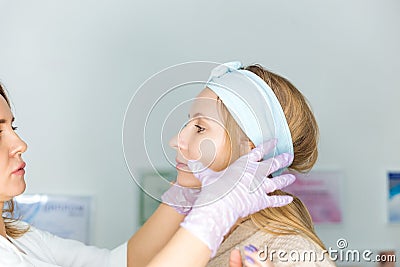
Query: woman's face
pixel 203 138
pixel 12 171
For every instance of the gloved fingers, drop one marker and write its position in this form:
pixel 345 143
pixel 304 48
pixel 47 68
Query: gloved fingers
pixel 177 191
pixel 180 198
pixel 218 188
pixel 210 180
pixel 258 153
pixel 195 166
pixel 271 165
pixel 199 171
pixel 271 184
pixel 205 175
pixel 281 181
pixel 264 168
pixel 277 201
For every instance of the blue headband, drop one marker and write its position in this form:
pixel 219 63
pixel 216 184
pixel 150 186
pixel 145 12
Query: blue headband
pixel 253 105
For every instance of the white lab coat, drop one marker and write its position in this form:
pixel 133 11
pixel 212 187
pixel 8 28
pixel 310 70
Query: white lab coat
pixel 43 249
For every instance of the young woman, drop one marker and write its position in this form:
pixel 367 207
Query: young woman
pixel 22 245
pixel 239 109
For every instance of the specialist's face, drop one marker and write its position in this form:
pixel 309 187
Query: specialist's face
pixel 12 171
pixel 203 138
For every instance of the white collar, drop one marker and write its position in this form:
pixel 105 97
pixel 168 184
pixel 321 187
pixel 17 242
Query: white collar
pixel 15 256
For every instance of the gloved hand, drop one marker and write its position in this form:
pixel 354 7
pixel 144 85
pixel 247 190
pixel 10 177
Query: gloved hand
pixel 180 198
pixel 236 192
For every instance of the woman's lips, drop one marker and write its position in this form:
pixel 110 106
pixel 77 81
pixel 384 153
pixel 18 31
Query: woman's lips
pixel 20 171
pixel 181 166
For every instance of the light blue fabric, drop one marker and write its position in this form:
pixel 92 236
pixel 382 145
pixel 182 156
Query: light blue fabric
pixel 253 105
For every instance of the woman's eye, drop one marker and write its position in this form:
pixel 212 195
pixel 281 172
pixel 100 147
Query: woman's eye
pixel 199 128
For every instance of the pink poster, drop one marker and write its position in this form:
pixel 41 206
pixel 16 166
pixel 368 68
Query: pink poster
pixel 320 192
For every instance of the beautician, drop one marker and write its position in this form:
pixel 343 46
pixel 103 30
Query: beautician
pixel 191 244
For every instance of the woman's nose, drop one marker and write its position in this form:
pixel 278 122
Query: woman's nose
pixel 174 142
pixel 179 140
pixel 18 146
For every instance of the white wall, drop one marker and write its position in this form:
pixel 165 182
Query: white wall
pixel 72 66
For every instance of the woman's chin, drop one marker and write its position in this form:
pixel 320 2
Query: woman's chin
pixel 187 179
pixel 21 190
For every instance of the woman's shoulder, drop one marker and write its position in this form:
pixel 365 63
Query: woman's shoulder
pixel 295 246
pixel 33 239
pixel 286 242
pixel 291 250
pixel 32 231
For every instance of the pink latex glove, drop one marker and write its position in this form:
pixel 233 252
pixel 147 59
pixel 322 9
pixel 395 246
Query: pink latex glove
pixel 180 198
pixel 236 192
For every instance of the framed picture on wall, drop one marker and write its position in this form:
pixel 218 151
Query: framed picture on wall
pixel 61 215
pixel 320 191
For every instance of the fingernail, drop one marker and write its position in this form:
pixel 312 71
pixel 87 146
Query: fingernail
pixel 246 248
pixel 250 260
pixel 253 247
pixel 250 248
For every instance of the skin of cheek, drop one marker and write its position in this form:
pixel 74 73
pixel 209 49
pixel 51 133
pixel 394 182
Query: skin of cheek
pixel 208 155
pixel 212 155
pixel 215 150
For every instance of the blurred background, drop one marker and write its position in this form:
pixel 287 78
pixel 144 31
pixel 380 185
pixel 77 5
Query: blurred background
pixel 71 68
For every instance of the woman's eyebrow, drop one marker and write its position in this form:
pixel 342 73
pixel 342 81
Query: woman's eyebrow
pixel 198 114
pixel 5 121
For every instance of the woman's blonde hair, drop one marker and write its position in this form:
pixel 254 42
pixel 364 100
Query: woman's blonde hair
pixel 294 218
pixel 12 228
